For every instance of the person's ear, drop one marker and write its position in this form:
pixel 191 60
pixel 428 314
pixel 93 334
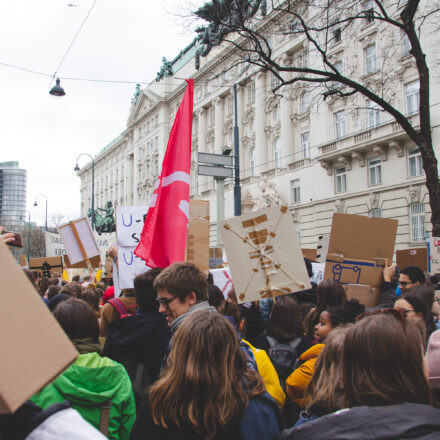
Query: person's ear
pixel 192 298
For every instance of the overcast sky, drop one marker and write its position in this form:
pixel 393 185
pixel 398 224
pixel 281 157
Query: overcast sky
pixel 121 40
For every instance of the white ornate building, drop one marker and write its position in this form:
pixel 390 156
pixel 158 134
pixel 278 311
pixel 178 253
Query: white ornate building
pixel 341 155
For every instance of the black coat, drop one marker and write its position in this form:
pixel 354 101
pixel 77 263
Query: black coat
pixel 405 421
pixel 143 337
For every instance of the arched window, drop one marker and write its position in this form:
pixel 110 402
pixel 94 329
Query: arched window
pixel 277 153
pixel 305 101
pixel 417 222
pixel 252 161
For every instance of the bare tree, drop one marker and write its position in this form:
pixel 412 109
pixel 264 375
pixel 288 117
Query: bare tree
pixel 56 220
pixel 321 24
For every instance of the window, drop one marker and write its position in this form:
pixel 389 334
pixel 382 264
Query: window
pixel 340 180
pixel 252 161
pixel 337 33
pixel 370 59
pixel 339 67
pixel 412 96
pixel 230 106
pixel 305 145
pixel 301 59
pixel 305 101
pixel 369 11
pixel 251 93
pixel 340 124
pixel 406 45
pixel 375 171
pixel 373 114
pixel 275 81
pixel 295 191
pixel 156 143
pixel 277 153
pixel 415 167
pixel 276 113
pixel 417 222
pixel 376 212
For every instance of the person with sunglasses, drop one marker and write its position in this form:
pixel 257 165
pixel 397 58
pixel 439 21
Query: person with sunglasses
pixel 411 276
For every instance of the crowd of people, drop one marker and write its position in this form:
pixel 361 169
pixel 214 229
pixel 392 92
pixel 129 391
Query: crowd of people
pixel 174 358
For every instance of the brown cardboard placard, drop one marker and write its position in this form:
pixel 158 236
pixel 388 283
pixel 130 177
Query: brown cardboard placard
pixel 79 242
pixel 197 249
pixel 35 348
pixel 55 264
pixel 366 295
pixel 359 247
pixel 264 255
pixel 94 261
pixel 23 260
pixel 215 257
pixel 309 253
pixel 413 257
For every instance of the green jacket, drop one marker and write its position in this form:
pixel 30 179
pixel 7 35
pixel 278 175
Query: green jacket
pixel 87 383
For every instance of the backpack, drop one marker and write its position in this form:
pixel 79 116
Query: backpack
pixel 122 309
pixel 284 357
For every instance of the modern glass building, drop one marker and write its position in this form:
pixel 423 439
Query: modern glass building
pixel 12 196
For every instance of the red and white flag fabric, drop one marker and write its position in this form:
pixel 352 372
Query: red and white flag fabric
pixel 164 235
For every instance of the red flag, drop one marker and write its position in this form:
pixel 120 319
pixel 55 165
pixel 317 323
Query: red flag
pixel 165 231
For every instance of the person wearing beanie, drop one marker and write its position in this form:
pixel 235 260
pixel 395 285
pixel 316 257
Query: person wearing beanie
pixel 433 361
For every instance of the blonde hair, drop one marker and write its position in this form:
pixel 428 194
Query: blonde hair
pixel 325 388
pixel 207 383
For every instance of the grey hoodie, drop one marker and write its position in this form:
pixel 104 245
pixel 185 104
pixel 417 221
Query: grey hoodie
pixel 204 305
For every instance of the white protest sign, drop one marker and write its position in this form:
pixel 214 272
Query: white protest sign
pixel 104 241
pixel 434 254
pixel 318 272
pixel 129 224
pixel 54 245
pixel 222 279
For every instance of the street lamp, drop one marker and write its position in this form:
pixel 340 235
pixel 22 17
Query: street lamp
pixel 57 90
pixel 76 169
pixel 36 204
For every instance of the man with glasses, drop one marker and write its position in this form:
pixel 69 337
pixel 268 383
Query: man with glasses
pixel 182 289
pixel 411 276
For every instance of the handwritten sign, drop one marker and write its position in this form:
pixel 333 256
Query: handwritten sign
pixel 434 254
pixel 54 245
pixel 129 224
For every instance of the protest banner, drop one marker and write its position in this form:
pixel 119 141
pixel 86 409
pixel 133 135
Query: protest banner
pixel 412 257
pixel 197 248
pixel 129 224
pixel 264 254
pixel 222 279
pixel 359 247
pixel 35 348
pixel 434 254
pixel 46 266
pixel 79 241
pixel 54 245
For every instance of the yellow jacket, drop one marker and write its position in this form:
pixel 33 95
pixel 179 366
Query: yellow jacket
pixel 298 381
pixel 268 373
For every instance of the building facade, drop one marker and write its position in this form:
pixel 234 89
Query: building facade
pixel 12 196
pixel 318 157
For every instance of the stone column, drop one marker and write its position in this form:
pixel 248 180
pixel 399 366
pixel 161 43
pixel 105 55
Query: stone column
pixel 260 122
pixel 202 116
pixel 287 141
pixel 218 128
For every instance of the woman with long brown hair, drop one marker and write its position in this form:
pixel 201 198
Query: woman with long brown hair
pixel 207 388
pixel 385 388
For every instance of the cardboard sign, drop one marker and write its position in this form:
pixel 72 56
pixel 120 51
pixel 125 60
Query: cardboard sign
pixel 54 245
pixel 197 248
pixel 94 261
pixel 35 348
pixel 359 248
pixel 215 258
pixel 79 241
pixel 412 257
pixel 366 295
pixel 322 249
pixel 23 260
pixel 44 264
pixel 309 253
pixel 264 254
pixel 434 254
pixel 129 223
pixel 222 279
